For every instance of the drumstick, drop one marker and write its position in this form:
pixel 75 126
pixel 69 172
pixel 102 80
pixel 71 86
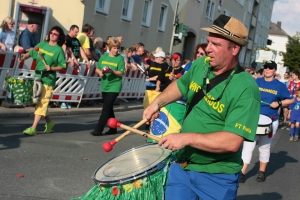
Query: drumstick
pixel 175 57
pixel 42 58
pixel 178 75
pixel 114 123
pixel 265 102
pixel 108 146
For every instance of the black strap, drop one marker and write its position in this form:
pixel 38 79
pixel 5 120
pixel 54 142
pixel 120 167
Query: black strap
pixel 213 82
pixel 45 73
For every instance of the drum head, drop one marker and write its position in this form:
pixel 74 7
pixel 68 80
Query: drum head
pixel 131 165
pixel 24 78
pixel 264 120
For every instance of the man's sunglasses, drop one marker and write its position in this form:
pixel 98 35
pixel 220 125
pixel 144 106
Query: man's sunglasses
pixel 268 67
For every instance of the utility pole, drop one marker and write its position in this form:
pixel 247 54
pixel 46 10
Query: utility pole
pixel 174 26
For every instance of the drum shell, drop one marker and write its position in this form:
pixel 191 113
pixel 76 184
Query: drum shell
pixel 266 128
pixel 154 168
pixel 21 91
pixel 263 130
pixel 146 184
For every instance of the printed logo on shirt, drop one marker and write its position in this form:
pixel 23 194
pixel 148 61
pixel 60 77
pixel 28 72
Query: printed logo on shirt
pixel 297 106
pixel 46 52
pixel 155 69
pixel 268 90
pixel 239 126
pixel 217 106
pixel 194 86
pixel 109 63
pixel 167 75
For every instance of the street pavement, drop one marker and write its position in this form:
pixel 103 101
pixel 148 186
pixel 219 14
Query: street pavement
pixel 59 165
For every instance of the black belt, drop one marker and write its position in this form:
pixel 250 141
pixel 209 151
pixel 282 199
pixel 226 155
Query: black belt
pixel 183 162
pixel 45 73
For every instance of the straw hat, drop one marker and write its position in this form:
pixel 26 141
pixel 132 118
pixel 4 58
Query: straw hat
pixel 229 28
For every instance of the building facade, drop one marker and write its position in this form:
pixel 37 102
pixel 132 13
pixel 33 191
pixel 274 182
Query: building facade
pixel 146 21
pixel 279 39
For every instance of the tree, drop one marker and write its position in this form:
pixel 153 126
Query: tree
pixel 291 58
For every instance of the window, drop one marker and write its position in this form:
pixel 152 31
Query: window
pixel 226 12
pixel 241 2
pixel 163 17
pixel 146 17
pixel 259 16
pixel 102 6
pixel 256 38
pixel 127 9
pixel 203 39
pixel 250 6
pixel 210 9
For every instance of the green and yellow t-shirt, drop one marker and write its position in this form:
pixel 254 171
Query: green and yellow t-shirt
pixel 111 82
pixel 53 55
pixel 237 112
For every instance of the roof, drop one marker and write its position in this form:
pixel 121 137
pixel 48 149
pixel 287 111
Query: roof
pixel 275 29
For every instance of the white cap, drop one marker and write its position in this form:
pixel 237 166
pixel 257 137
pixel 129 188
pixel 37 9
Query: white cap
pixel 160 54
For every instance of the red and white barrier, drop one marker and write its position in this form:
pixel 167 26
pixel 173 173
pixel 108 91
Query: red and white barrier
pixel 72 85
pixel 133 85
pixel 8 61
pixel 70 82
pixel 92 89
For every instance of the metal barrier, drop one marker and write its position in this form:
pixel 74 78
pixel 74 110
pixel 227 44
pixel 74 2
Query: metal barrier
pixel 92 89
pixel 133 85
pixel 8 61
pixel 72 84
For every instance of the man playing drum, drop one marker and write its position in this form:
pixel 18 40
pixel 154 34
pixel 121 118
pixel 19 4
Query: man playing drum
pixel 223 104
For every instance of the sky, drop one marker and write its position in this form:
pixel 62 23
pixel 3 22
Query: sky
pixel 288 12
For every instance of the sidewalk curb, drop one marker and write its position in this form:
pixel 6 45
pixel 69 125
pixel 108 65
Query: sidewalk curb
pixel 29 112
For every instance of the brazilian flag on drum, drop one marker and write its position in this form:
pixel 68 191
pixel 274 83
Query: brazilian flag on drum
pixel 169 121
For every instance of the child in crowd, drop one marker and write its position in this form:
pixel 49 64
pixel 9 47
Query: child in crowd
pixel 294 116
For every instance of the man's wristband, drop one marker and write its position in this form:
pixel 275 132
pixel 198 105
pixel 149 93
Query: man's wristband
pixel 279 103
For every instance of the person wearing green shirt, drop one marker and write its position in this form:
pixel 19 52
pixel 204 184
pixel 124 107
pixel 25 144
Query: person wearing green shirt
pixel 223 107
pixel 54 57
pixel 111 68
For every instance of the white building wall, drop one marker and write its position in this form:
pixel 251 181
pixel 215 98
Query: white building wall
pixel 279 44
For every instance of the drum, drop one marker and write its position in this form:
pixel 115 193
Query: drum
pixel 20 90
pixel 264 125
pixel 139 173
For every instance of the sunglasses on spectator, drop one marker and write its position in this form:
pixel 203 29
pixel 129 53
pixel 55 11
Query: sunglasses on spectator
pixel 201 53
pixel 267 67
pixel 52 33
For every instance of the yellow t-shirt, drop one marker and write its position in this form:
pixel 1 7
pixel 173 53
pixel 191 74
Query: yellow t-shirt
pixel 84 41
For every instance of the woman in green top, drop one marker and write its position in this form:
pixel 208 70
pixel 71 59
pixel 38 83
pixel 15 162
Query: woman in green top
pixel 111 84
pixel 54 57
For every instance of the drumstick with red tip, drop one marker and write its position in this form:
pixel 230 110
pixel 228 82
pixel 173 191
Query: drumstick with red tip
pixel 175 57
pixel 42 58
pixel 178 75
pixel 108 146
pixel 20 51
pixel 114 123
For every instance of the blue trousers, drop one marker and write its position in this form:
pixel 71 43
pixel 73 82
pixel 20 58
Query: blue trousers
pixel 193 185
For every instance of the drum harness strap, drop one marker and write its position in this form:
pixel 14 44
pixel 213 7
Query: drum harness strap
pixel 45 73
pixel 200 95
